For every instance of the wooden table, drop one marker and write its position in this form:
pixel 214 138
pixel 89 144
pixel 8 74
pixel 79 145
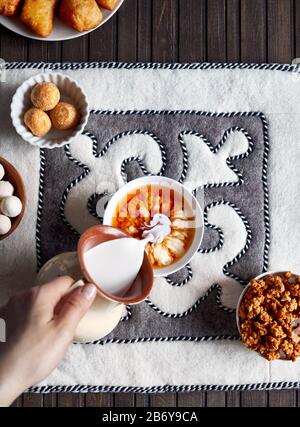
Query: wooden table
pixel 171 31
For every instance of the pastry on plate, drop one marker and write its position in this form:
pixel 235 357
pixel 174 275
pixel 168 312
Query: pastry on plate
pixel 107 4
pixel 82 15
pixel 9 7
pixel 38 15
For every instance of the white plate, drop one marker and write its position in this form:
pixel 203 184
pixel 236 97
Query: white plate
pixel 60 30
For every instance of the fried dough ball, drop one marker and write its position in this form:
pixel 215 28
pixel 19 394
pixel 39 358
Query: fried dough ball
pixel 37 121
pixel 64 116
pixel 45 96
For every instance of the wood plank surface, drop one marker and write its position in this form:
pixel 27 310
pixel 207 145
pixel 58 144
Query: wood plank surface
pixel 254 31
pixel 216 31
pixel 280 43
pixel 169 31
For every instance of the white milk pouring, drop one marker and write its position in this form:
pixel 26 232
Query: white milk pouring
pixel 114 265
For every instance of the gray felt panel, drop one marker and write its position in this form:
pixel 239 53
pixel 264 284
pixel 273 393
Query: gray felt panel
pixel 208 319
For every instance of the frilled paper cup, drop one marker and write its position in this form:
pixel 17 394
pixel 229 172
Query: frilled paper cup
pixel 70 91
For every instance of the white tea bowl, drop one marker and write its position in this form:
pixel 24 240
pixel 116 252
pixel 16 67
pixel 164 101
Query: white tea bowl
pixel 131 186
pixel 70 92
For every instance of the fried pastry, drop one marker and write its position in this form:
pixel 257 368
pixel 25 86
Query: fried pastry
pixel 9 7
pixel 38 15
pixel 82 15
pixel 107 4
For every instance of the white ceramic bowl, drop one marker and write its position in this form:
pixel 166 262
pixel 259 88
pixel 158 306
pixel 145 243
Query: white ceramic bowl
pixel 176 186
pixel 268 273
pixel 70 91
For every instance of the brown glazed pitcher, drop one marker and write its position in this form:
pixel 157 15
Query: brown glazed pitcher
pixel 140 287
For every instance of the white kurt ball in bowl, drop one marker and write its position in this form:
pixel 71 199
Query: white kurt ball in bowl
pixel 11 206
pixel 6 189
pixel 5 225
pixel 2 171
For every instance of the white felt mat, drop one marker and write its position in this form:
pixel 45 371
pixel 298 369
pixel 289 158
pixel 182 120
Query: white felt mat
pixel 177 365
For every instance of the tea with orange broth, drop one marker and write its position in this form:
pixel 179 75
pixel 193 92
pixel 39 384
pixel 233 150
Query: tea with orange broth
pixel 136 210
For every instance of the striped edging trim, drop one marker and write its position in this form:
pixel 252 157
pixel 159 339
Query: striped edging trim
pixel 90 204
pixel 161 388
pixel 40 209
pixel 128 314
pixel 184 281
pixel 150 66
pixel 266 191
pixel 84 174
pixel 163 339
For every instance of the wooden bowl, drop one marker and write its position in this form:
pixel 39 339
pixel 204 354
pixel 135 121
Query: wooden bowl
pixel 140 289
pixel 13 176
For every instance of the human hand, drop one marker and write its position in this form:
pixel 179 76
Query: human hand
pixel 40 324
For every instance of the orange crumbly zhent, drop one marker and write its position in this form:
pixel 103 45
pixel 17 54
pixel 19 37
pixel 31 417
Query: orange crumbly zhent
pixel 268 312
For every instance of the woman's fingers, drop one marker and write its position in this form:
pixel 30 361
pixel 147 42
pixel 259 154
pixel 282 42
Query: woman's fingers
pixel 75 305
pixel 55 290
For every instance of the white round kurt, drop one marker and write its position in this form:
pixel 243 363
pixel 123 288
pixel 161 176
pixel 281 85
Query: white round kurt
pixel 2 171
pixel 11 206
pixel 5 225
pixel 6 189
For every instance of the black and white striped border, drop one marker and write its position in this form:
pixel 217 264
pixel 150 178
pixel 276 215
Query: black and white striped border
pixel 266 192
pixel 76 181
pixel 43 66
pixel 90 204
pixel 40 210
pixel 164 339
pixel 128 314
pixel 184 281
pixel 162 388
